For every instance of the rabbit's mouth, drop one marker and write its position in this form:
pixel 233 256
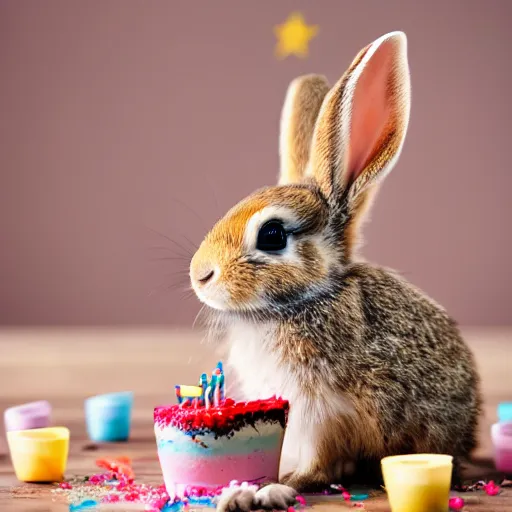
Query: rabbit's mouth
pixel 217 296
pixel 214 298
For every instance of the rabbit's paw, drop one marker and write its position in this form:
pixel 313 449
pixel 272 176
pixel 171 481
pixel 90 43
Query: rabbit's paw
pixel 275 497
pixel 244 498
pixel 317 480
pixel 237 498
pixel 302 482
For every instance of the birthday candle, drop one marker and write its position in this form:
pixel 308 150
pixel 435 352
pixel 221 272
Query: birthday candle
pixel 177 390
pixel 216 394
pixel 203 382
pixel 207 397
pixel 219 373
pixel 221 387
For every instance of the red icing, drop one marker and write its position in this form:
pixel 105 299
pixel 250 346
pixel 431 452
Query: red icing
pixel 215 418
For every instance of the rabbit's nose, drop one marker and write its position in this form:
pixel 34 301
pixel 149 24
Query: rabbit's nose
pixel 206 276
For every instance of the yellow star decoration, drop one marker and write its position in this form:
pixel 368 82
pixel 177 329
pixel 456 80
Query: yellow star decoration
pixel 294 36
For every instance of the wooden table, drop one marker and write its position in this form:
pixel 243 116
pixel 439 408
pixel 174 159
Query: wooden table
pixel 66 366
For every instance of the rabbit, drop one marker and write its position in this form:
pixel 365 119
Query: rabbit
pixel 371 366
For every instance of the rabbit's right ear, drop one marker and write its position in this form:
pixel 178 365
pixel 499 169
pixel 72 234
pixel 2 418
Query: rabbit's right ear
pixel 300 111
pixel 362 123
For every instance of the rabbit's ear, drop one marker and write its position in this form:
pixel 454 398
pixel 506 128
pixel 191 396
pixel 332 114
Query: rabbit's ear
pixel 300 111
pixel 363 120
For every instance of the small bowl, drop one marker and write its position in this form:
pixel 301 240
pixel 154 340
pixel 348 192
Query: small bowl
pixel 501 434
pixel 108 417
pixel 28 416
pixel 504 412
pixel 39 455
pixel 418 483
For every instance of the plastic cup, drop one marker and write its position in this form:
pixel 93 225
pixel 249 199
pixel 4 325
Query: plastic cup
pixel 418 483
pixel 39 455
pixel 108 417
pixel 28 416
pixel 501 434
pixel 504 412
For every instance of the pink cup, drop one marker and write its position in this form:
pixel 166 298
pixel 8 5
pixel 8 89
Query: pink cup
pixel 501 434
pixel 28 416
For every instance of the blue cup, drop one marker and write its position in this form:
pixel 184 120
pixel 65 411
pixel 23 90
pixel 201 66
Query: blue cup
pixel 505 412
pixel 108 417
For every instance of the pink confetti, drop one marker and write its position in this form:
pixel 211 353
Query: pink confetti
pixel 111 498
pixel 301 500
pixel 456 503
pixel 491 489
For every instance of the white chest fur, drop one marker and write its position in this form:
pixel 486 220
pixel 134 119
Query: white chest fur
pixel 258 367
pixel 261 373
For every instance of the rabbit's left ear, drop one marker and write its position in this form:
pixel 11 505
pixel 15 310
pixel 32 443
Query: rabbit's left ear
pixel 298 117
pixel 361 127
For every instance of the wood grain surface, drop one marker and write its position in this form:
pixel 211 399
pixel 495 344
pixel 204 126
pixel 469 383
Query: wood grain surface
pixel 66 366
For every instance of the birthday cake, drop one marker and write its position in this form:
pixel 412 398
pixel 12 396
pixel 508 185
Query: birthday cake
pixel 207 440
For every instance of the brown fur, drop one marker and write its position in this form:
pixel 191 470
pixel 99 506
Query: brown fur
pixel 385 340
pixel 374 367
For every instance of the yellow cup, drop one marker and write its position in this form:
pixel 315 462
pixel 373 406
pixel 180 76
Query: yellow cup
pixel 39 455
pixel 418 483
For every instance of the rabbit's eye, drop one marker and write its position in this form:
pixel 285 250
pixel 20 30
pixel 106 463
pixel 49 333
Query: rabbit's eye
pixel 271 237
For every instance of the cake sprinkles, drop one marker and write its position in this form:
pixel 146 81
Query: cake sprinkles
pixel 224 420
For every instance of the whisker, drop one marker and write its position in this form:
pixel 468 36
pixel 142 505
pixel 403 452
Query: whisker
pixel 165 287
pixel 159 248
pixel 189 294
pixel 216 199
pixel 170 258
pixel 187 251
pixel 199 313
pixel 192 244
pixel 172 255
pixel 179 201
pixel 185 281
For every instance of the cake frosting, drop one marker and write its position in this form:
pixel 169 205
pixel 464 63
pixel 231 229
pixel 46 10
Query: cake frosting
pixel 210 446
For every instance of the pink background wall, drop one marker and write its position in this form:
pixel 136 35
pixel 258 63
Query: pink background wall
pixel 119 116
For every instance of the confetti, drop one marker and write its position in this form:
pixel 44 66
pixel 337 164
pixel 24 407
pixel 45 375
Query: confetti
pixel 116 485
pixel 456 503
pixel 491 489
pixel 119 465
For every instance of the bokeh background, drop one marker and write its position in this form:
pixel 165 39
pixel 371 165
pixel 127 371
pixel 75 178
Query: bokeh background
pixel 128 128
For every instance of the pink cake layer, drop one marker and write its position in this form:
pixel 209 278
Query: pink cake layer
pixel 180 470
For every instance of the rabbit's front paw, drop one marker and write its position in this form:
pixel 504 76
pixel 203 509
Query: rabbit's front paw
pixel 244 498
pixel 302 481
pixel 275 497
pixel 237 498
pixel 315 480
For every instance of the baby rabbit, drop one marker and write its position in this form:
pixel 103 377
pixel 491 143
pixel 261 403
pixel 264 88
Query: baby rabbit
pixel 371 366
